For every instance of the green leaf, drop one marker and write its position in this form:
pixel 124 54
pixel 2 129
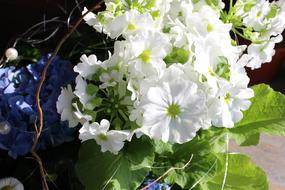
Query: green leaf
pixel 203 148
pixel 200 167
pixel 223 68
pixel 266 115
pixel 273 11
pixel 213 3
pixel 94 103
pixel 195 1
pixel 91 89
pixel 242 174
pixel 178 55
pixel 248 6
pixel 125 171
pixel 163 148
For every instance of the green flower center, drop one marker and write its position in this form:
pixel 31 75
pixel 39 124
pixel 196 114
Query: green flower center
pixel 210 28
pixel 103 137
pixel 132 26
pixel 227 98
pixel 173 110
pixel 145 56
pixel 8 187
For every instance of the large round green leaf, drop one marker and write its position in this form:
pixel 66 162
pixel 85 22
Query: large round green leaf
pixel 125 171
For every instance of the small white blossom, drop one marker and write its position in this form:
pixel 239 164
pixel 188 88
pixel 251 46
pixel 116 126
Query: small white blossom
pixel 91 19
pixel 262 53
pixel 112 141
pixel 80 90
pixel 256 17
pixel 88 66
pixel 11 184
pixel 226 109
pixel 147 51
pixel 64 106
pixel 130 23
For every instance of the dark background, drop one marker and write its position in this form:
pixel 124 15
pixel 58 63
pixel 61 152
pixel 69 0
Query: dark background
pixel 16 16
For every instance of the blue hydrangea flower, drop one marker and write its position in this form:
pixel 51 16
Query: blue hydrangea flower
pixel 18 110
pixel 156 186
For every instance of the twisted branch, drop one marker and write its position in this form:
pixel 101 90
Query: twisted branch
pixel 39 127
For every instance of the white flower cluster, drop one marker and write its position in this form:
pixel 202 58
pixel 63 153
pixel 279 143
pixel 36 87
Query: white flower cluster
pixel 175 69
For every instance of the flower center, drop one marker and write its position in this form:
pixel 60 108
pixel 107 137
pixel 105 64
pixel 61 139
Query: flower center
pixel 173 110
pixel 145 56
pixel 103 137
pixel 210 28
pixel 8 187
pixel 227 98
pixel 131 26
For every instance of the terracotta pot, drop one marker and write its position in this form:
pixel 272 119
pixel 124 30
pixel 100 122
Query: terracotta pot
pixel 269 71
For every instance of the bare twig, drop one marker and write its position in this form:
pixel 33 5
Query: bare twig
pixel 167 172
pixel 39 128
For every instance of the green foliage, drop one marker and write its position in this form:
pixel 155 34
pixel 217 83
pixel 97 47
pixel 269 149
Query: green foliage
pixel 91 89
pixel 178 55
pixel 266 115
pixel 223 68
pixel 202 149
pixel 241 174
pixel 213 3
pixel 273 12
pixel 124 171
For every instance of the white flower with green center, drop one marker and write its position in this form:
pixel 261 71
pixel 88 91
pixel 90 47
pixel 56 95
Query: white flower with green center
pixel 112 141
pixel 214 58
pixel 130 23
pixel 65 108
pixel 146 53
pixel 226 109
pixel 10 183
pixel 88 66
pixel 256 18
pixel 173 111
pixel 207 21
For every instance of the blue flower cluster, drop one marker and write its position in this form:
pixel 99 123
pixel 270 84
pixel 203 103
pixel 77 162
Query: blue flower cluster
pixel 156 186
pixel 18 110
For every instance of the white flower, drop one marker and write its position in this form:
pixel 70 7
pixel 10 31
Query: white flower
pixel 91 19
pixel 205 22
pixel 262 53
pixel 226 109
pixel 112 140
pixel 214 58
pixel 174 111
pixel 277 24
pixel 88 66
pixel 256 17
pixel 180 9
pixel 147 51
pixel 11 183
pixel 130 23
pixel 64 106
pixel 80 90
pixel 114 71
